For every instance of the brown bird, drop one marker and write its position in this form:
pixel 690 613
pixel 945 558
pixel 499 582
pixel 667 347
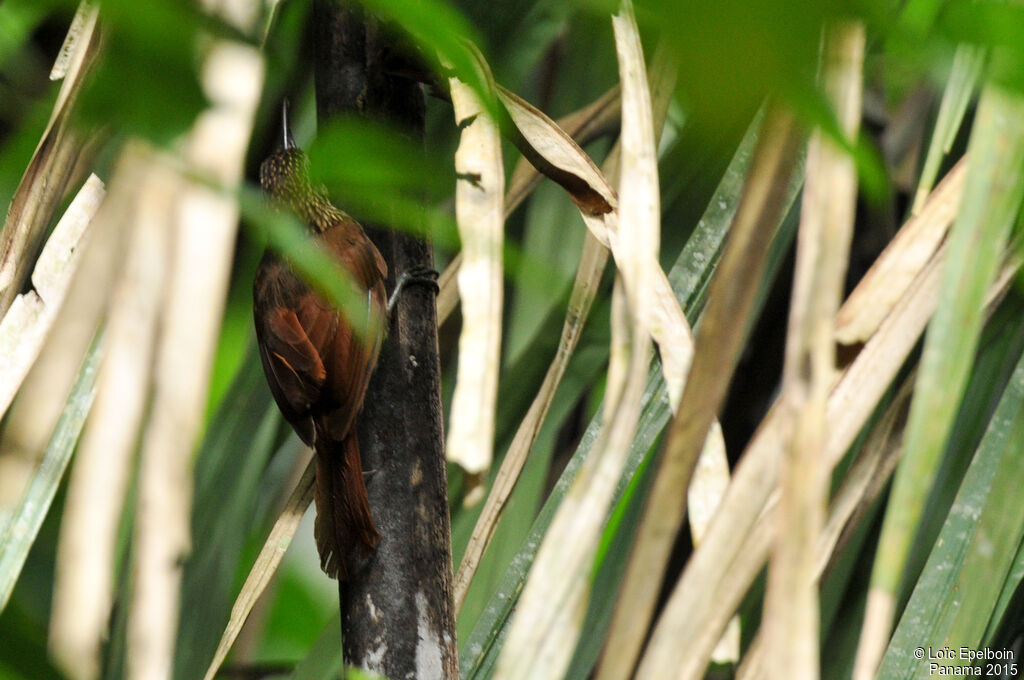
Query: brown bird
pixel 317 366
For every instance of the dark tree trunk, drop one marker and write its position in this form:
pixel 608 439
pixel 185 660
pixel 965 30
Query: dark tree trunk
pixel 396 610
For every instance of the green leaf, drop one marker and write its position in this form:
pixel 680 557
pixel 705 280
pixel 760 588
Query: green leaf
pixel 957 591
pixel 442 33
pixel 323 660
pixel 24 656
pixel 983 22
pixel 1001 345
pixel 19 532
pixel 356 155
pixel 610 565
pixel 992 196
pixel 146 81
pixel 18 19
pixel 963 78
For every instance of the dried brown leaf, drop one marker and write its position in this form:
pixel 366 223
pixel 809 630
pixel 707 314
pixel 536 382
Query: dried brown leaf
pixel 52 166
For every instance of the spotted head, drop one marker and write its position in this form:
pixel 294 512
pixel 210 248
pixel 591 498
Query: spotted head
pixel 285 176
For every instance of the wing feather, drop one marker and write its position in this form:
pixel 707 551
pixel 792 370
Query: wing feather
pixel 317 370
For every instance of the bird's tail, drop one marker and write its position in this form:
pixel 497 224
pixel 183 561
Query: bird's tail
pixel 344 526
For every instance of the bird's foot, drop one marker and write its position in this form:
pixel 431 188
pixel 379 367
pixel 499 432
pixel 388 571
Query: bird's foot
pixel 422 275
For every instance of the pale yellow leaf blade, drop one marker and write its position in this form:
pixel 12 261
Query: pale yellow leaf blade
pixel 23 330
pixel 84 587
pixel 480 215
pixel 826 226
pixel 902 260
pixel 548 620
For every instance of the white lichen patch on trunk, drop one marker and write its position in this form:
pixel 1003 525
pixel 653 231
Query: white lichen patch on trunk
pixel 371 608
pixel 428 647
pixel 374 661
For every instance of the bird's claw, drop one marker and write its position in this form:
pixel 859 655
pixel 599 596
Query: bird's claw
pixel 421 275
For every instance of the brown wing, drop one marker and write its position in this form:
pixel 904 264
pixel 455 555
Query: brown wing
pixel 291 361
pixel 350 361
pixel 317 371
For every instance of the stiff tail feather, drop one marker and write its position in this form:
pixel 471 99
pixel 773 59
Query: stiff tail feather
pixel 344 526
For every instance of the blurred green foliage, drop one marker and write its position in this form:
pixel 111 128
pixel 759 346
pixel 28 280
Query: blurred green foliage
pixel 147 82
pixel 559 56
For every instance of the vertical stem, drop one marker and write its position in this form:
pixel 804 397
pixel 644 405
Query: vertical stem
pixel 791 618
pixel 397 615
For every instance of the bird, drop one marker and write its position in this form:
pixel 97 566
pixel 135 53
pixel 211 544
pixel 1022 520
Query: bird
pixel 316 364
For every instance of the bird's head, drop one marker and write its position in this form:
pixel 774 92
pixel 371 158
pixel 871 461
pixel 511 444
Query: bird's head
pixel 284 175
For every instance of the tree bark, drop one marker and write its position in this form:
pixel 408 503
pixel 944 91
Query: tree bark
pixel 396 610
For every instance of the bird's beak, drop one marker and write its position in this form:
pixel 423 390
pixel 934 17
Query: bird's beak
pixel 287 139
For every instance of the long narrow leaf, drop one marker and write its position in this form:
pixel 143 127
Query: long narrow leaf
pixel 19 535
pixel 24 328
pixel 235 452
pixel 478 207
pixel 958 562
pixel 826 226
pixel 203 224
pixel 549 617
pixel 963 78
pixel 591 267
pixel 83 584
pixel 50 169
pixel 733 291
pixel 992 197
pixel 582 126
pixel 689 277
pixel 696 610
